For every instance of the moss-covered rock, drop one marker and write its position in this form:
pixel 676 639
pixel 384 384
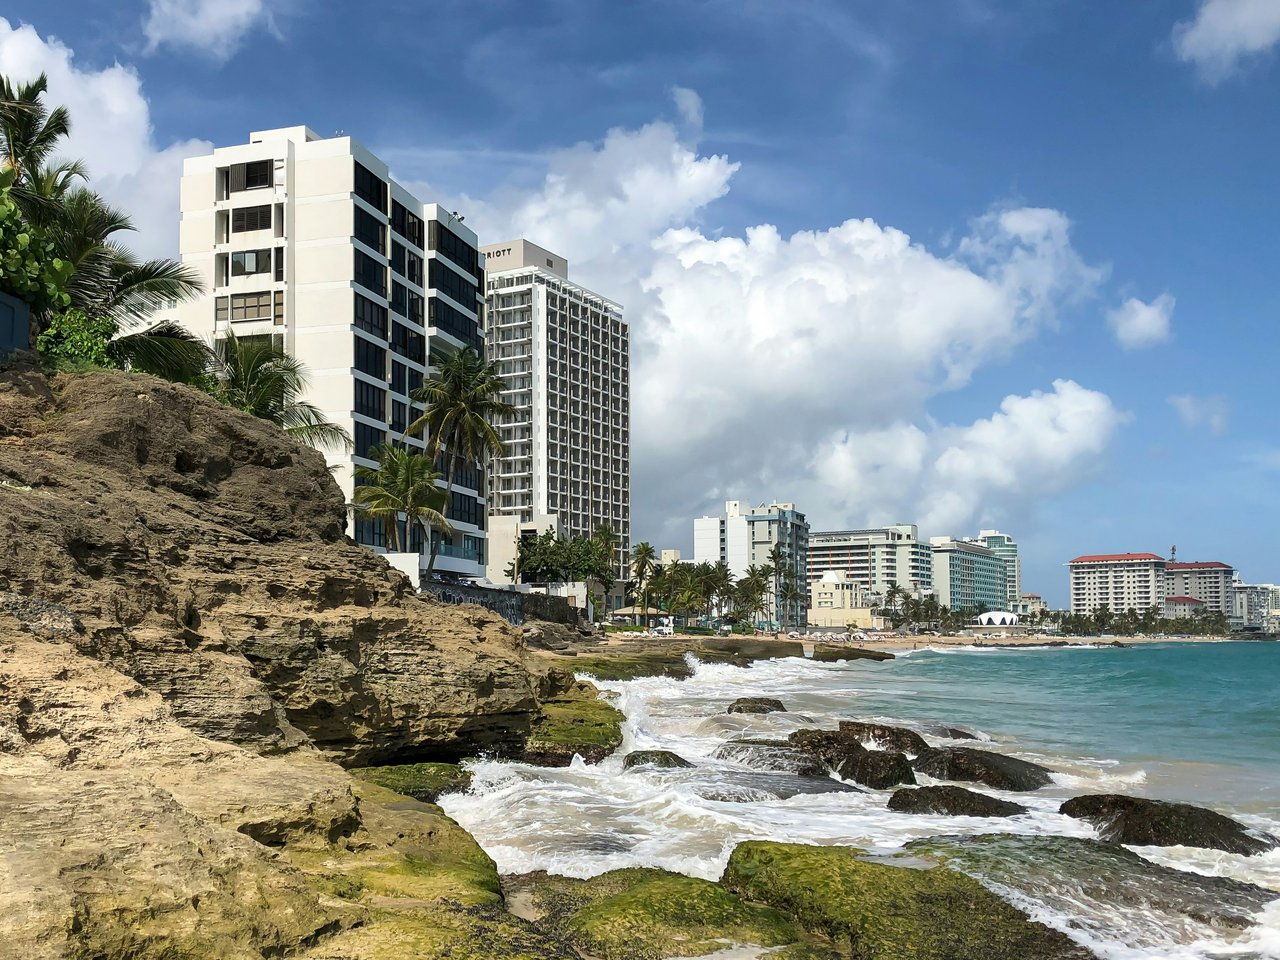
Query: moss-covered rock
pixel 886 737
pixel 421 781
pixel 844 753
pixel 882 912
pixel 952 801
pixel 645 914
pixel 577 722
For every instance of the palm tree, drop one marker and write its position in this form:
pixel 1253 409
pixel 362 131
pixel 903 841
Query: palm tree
pixel 28 131
pixel 793 595
pixel 777 561
pixel 258 377
pixel 462 401
pixel 108 281
pixel 644 561
pixel 403 484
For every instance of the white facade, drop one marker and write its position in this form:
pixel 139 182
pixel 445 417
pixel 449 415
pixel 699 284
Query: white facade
pixel 309 240
pixel 565 360
pixel 1117 581
pixel 837 600
pixel 746 536
pixel 1207 581
pixel 1254 606
pixel 669 558
pixel 505 533
pixel 1006 548
pixel 878 558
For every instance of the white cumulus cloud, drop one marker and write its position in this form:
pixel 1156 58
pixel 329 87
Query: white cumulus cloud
pixel 1209 413
pixel 753 350
pixel 1224 33
pixel 215 28
pixel 111 130
pixel 1137 324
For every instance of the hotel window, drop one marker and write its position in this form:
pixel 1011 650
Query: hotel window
pixel 370 188
pixel 406 224
pixel 369 231
pixel 399 416
pixel 251 306
pixel 371 317
pixel 245 219
pixel 248 262
pixel 397 257
pixel 447 281
pixel 415 308
pixel 366 438
pixel 250 176
pixel 399 299
pixel 370 273
pixel 449 244
pixel 370 358
pixel 279 260
pixel 370 401
pixel 408 343
pixel 399 380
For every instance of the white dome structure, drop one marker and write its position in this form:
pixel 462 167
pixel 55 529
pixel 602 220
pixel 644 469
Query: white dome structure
pixel 997 618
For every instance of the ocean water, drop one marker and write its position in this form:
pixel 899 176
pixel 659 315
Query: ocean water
pixel 1193 722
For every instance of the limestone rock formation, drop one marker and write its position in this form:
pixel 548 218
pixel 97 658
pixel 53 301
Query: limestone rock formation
pixel 201 552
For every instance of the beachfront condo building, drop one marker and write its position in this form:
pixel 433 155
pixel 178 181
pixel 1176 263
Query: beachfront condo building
pixel 1117 581
pixel 968 575
pixel 878 558
pixel 745 536
pixel 1006 548
pixel 308 241
pixel 564 355
pixel 1208 581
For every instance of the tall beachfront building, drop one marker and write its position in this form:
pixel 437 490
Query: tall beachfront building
pixel 1117 581
pixel 309 241
pixel 1208 581
pixel 968 575
pixel 564 354
pixel 877 558
pixel 1006 548
pixel 745 536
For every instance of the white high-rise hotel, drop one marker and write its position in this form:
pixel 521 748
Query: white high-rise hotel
pixel 309 240
pixel 565 359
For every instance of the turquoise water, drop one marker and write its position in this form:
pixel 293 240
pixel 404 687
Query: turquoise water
pixel 1202 719
pixel 1192 722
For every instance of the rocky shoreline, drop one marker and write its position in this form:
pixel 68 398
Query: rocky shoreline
pixel 224 728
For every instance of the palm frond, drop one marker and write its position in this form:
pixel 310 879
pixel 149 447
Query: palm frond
pixel 166 350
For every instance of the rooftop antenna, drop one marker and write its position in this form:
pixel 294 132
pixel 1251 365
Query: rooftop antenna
pixel 1173 553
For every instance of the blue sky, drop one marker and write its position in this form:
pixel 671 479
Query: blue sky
pixel 840 366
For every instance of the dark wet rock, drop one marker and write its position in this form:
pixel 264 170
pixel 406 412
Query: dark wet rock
pixel 744 787
pixel 653 758
pixel 1105 885
pixel 834 653
pixel 878 911
pixel 1140 822
pixel 886 737
pixel 776 755
pixel 756 705
pixel 953 802
pixel 844 753
pixel 951 733
pixel 982 766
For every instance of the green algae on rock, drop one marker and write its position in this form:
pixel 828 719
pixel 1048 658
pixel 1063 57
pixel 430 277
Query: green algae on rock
pixel 576 721
pixel 882 912
pixel 647 914
pixel 421 781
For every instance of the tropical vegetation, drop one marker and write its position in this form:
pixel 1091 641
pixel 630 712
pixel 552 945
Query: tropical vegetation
pixel 550 557
pixel 463 402
pixel 93 300
pixel 401 491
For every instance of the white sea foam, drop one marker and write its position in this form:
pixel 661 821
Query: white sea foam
pixel 584 820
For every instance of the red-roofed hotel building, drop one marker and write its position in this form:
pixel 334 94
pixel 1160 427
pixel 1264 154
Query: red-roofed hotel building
pixel 1206 580
pixel 1118 581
